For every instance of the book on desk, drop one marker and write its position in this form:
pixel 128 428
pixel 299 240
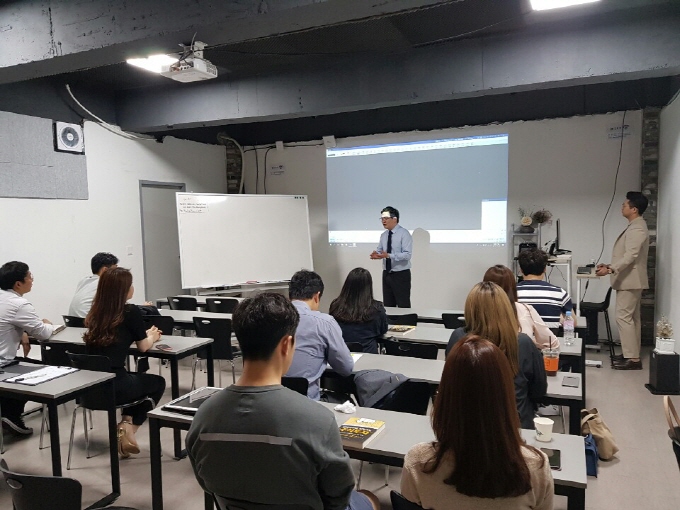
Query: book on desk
pixel 358 432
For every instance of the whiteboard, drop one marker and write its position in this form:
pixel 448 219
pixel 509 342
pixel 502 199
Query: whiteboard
pixel 233 239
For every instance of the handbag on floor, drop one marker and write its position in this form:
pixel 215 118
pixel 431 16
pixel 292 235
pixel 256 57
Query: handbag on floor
pixel 592 423
pixel 591 455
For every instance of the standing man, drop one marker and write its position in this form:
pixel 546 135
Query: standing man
pixel 18 319
pixel 628 271
pixel 395 250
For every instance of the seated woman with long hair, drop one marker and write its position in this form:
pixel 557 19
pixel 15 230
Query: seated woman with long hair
pixel 530 323
pixel 478 460
pixel 489 314
pixel 113 325
pixel 361 318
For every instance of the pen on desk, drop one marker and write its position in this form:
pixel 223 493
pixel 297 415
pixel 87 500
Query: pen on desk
pixel 29 377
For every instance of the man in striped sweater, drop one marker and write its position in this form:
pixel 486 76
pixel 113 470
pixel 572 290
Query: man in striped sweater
pixel 550 301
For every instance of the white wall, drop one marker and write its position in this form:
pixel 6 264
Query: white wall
pixel 565 165
pixel 668 229
pixel 57 238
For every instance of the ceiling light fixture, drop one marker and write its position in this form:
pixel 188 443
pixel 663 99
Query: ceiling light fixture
pixel 153 63
pixel 544 5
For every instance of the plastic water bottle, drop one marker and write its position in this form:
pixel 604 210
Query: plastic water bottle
pixel 568 326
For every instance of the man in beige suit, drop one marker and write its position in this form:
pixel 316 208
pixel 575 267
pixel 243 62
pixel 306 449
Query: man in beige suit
pixel 628 271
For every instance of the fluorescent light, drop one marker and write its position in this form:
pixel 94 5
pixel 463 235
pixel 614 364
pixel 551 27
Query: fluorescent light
pixel 544 5
pixel 153 63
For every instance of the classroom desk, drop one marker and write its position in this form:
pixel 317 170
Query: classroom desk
pixel 184 319
pixel 432 315
pixel 431 371
pixel 402 431
pixel 579 277
pixel 423 334
pixel 182 346
pixel 64 389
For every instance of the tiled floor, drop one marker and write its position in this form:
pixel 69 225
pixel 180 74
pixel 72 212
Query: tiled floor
pixel 643 476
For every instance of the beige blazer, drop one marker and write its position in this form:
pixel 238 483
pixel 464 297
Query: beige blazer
pixel 629 257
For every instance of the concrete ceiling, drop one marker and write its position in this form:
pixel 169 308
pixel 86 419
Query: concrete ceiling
pixel 297 61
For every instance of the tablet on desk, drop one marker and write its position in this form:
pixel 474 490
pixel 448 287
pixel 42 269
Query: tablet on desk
pixel 189 403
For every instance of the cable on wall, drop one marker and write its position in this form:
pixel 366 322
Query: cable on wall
pixel 223 139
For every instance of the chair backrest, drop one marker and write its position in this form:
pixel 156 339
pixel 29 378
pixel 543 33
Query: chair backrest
pixel 220 331
pixel 221 305
pixel 95 399
pixel 410 397
pixel 453 320
pixel 71 321
pixel 607 299
pixel 411 349
pixel 31 492
pixel 182 303
pixel 165 324
pixel 406 319
pixel 298 384
pixel 399 502
pixel 355 347
pixel 56 354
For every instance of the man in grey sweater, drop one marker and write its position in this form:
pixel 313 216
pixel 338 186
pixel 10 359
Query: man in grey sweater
pixel 258 443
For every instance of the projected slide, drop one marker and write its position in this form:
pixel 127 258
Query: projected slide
pixel 456 189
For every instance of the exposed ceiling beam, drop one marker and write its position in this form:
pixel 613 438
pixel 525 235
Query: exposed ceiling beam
pixel 634 49
pixel 47 37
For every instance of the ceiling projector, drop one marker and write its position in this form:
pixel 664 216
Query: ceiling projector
pixel 189 70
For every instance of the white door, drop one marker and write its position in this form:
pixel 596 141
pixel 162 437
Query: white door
pixel 160 240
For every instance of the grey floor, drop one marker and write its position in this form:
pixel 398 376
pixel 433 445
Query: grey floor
pixel 644 474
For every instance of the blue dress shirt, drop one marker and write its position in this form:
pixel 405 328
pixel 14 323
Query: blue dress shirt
pixel 318 341
pixel 402 248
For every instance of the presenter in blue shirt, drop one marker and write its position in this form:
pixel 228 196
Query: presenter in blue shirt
pixel 395 250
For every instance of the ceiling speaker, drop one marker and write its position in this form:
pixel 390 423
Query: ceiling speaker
pixel 68 138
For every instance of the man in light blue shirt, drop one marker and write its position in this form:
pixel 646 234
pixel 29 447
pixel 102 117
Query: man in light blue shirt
pixel 318 338
pixel 395 250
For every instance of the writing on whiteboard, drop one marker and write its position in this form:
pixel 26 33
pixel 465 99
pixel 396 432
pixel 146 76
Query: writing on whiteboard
pixel 190 206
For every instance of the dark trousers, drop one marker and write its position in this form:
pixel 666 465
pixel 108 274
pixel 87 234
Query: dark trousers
pixel 133 386
pixel 12 408
pixel 397 288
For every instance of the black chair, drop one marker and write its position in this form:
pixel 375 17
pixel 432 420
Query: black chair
pixel 399 502
pixel 411 349
pixel 221 305
pixel 223 503
pixel 453 320
pixel 220 331
pixel 298 384
pixel 590 311
pixel 355 347
pixel 73 322
pixel 95 399
pixel 407 319
pixel 183 303
pixel 31 492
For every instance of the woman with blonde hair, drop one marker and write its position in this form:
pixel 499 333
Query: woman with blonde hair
pixel 489 314
pixel 530 323
pixel 478 459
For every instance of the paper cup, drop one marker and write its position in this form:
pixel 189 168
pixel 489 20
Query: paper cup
pixel 544 428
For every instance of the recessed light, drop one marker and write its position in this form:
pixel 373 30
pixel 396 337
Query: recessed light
pixel 153 63
pixel 544 5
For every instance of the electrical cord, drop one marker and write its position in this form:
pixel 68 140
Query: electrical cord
pixel 264 180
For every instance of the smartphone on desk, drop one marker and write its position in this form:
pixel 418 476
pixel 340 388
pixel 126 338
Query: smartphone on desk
pixel 570 381
pixel 554 458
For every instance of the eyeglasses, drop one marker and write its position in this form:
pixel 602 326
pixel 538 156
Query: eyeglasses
pixel 29 276
pixel 386 218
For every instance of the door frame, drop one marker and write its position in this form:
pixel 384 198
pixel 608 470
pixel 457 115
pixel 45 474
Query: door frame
pixel 179 187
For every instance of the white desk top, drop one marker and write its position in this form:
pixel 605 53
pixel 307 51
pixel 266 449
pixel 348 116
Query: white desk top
pixel 556 390
pixel 424 334
pixel 187 317
pixel 179 344
pixel 58 387
pixel 423 313
pixel 428 370
pixel 403 430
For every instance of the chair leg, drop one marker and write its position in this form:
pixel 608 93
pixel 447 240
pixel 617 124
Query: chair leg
pixel 233 372
pixel 42 425
pixel 2 437
pixel 564 430
pixel 610 339
pixel 219 371
pixel 87 438
pixel 361 470
pixel 70 443
pixel 89 412
pixel 193 373
pixel 387 476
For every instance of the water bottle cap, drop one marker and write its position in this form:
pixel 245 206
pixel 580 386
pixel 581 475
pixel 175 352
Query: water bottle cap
pixel 568 314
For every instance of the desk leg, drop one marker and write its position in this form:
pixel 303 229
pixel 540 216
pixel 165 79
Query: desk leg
pixel 113 439
pixel 575 418
pixel 156 474
pixel 208 501
pixel 210 366
pixel 54 438
pixel 174 390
